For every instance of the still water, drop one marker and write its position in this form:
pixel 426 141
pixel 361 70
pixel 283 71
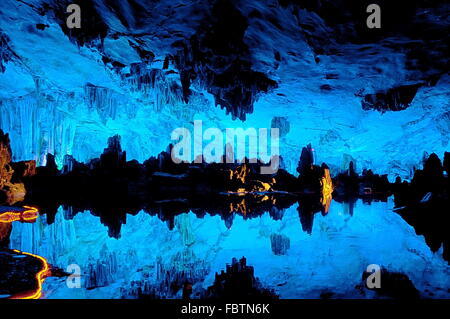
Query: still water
pixel 149 256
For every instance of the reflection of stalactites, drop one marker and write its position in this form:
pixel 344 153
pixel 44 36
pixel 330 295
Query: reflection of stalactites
pixel 307 207
pixel 240 207
pixel 183 224
pixel 349 206
pixel 229 220
pixel 170 222
pixel 101 272
pixel 276 213
pixel 114 223
pixel 280 244
pixel 327 190
pixel 307 220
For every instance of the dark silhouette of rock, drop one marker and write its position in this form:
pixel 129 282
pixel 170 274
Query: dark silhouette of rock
pixel 23 169
pixel 238 281
pixel 368 186
pixel 424 203
pixel 447 163
pixel 113 157
pixel 308 206
pixel 112 187
pixel 306 160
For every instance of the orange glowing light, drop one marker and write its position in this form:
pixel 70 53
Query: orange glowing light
pixel 240 173
pixel 28 215
pixel 263 187
pixel 327 190
pixel 40 278
pixel 239 207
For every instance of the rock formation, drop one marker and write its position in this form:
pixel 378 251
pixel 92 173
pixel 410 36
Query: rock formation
pixel 238 281
pixel 12 191
pixel 280 244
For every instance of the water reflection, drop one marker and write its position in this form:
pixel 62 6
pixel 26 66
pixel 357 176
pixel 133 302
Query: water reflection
pixel 294 246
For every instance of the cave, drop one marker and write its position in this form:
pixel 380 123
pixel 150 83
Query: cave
pixel 146 144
